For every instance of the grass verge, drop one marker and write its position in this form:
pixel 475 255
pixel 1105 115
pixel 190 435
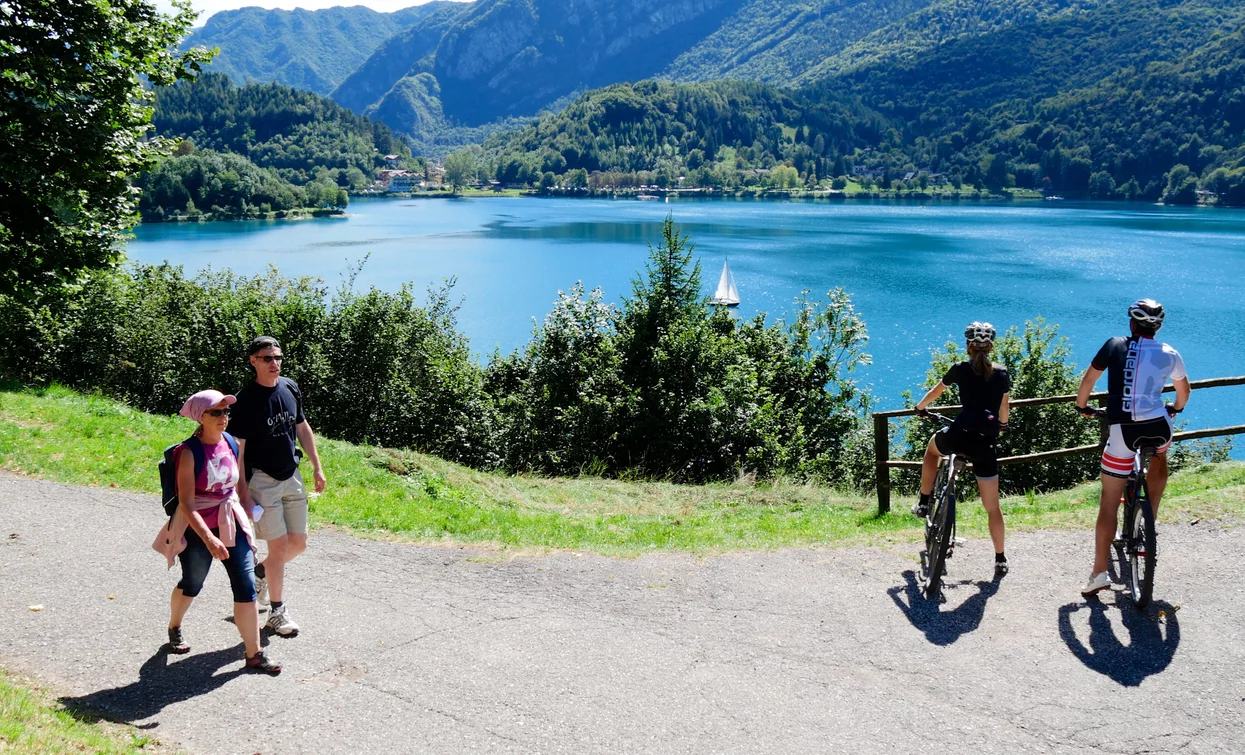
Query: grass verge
pixel 31 721
pixel 68 437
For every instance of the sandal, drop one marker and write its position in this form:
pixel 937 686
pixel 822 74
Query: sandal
pixel 177 646
pixel 260 662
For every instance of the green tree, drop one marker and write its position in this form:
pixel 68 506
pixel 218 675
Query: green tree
pixel 1101 185
pixel 460 169
pixel 1181 186
pixel 75 113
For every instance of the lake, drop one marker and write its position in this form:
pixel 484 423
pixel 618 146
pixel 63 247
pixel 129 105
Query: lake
pixel 917 272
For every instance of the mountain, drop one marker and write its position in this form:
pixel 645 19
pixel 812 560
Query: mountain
pixel 779 41
pixel 1134 98
pixel 312 50
pixel 408 53
pixel 296 133
pixel 456 72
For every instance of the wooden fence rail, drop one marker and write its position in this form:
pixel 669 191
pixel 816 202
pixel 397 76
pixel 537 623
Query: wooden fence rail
pixel 882 447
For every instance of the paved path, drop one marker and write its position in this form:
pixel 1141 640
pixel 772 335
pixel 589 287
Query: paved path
pixel 444 649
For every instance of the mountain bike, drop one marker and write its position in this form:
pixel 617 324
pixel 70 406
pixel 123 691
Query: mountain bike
pixel 940 521
pixel 1136 545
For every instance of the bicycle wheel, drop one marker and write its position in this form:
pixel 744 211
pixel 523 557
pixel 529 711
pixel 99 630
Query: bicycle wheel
pixel 938 534
pixel 1142 554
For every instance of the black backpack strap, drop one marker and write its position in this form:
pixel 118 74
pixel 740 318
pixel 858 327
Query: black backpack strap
pixel 233 444
pixel 196 448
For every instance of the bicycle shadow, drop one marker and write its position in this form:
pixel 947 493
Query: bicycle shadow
pixel 943 627
pixel 1147 653
pixel 161 684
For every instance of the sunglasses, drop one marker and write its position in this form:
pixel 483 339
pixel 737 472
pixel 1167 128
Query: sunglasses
pixel 272 357
pixel 217 412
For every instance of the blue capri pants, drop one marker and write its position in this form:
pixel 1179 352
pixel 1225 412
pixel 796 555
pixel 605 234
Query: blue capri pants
pixel 197 560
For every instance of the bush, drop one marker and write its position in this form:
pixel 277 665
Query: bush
pixel 374 367
pixel 668 387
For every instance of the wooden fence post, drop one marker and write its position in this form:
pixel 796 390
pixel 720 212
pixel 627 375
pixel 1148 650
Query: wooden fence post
pixel 881 452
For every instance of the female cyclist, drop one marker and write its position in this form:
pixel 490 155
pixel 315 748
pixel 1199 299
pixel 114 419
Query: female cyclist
pixel 984 388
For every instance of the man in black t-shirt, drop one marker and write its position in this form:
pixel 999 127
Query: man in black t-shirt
pixel 267 421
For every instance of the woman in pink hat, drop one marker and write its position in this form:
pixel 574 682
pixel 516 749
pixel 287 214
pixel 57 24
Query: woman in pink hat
pixel 210 523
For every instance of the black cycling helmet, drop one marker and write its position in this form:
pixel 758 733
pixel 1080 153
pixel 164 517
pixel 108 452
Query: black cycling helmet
pixel 1147 312
pixel 981 333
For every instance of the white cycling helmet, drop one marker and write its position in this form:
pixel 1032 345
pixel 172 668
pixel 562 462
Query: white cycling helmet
pixel 1147 312
pixel 981 333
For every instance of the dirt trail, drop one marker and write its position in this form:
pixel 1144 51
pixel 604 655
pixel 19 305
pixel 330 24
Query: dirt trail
pixel 434 649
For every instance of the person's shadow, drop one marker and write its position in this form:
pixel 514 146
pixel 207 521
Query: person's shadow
pixel 161 684
pixel 1148 651
pixel 942 627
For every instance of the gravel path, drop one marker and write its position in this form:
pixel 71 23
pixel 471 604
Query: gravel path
pixel 446 649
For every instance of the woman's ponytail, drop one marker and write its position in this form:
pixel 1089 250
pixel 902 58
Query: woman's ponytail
pixel 979 358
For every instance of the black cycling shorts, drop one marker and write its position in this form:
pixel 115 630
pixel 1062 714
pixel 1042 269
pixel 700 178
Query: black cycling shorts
pixel 1124 440
pixel 977 448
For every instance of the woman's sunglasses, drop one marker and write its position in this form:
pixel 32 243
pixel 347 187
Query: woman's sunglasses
pixel 217 412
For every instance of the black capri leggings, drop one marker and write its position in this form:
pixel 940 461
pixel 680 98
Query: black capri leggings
pixel 197 560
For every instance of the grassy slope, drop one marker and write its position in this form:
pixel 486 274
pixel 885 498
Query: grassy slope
pixel 31 722
pixel 59 435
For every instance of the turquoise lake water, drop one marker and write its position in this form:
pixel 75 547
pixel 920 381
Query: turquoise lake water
pixel 918 273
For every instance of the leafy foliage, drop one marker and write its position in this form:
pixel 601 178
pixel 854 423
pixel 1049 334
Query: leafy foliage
pixel 374 366
pixel 664 387
pixel 74 115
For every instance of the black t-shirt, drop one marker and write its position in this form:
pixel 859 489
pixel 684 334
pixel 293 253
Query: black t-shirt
pixel 265 418
pixel 980 397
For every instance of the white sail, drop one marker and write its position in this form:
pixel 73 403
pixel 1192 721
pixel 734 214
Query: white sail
pixel 727 292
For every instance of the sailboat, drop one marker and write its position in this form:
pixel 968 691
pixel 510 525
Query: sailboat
pixel 727 293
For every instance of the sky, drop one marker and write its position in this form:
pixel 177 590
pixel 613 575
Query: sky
pixel 207 7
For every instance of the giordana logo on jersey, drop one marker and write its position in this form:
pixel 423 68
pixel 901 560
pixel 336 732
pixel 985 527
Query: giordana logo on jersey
pixel 1130 376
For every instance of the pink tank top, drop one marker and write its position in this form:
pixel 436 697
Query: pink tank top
pixel 217 479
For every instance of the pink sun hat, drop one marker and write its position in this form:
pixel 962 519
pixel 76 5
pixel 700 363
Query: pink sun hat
pixel 199 403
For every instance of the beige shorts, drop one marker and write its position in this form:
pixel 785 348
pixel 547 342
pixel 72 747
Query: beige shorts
pixel 284 503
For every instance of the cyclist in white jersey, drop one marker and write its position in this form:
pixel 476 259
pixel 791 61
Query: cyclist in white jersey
pixel 1137 369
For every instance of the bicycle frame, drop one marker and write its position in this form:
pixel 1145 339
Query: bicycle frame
pixel 940 523
pixel 1137 553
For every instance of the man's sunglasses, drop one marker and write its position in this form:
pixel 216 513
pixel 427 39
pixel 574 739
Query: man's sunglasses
pixel 272 357
pixel 217 412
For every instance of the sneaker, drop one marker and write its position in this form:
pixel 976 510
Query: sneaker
pixel 920 509
pixel 1096 584
pixel 1001 568
pixel 261 592
pixel 281 623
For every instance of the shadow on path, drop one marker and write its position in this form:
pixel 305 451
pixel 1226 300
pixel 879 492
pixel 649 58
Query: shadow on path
pixel 942 627
pixel 161 684
pixel 1148 651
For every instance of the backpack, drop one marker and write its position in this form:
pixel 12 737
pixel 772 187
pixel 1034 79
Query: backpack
pixel 168 468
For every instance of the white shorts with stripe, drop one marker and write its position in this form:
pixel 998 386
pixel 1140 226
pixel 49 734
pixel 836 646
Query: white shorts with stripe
pixel 1124 440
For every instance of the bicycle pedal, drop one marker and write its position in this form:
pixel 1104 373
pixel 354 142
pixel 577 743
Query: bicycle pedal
pixel 960 540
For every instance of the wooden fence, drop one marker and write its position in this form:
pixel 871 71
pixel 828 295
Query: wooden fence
pixel 882 445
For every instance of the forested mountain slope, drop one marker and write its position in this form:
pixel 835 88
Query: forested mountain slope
pixel 408 53
pixel 1144 98
pixel 295 132
pixel 305 49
